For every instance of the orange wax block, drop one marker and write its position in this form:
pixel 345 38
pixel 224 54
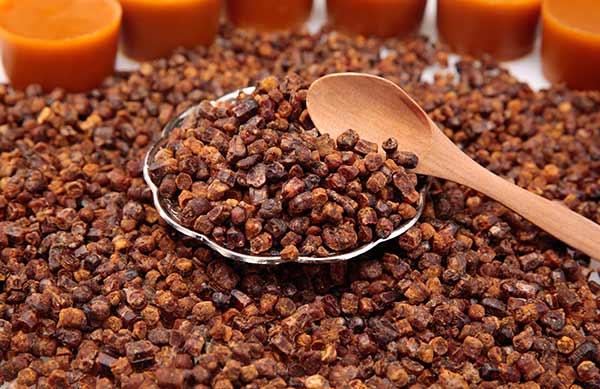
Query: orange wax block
pixel 154 28
pixel 571 42
pixel 384 18
pixel 70 44
pixel 503 28
pixel 269 15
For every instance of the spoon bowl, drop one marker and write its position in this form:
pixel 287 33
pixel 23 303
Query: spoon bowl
pixel 378 109
pixel 373 115
pixel 168 211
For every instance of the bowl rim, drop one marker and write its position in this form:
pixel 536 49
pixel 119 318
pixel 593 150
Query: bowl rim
pixel 170 218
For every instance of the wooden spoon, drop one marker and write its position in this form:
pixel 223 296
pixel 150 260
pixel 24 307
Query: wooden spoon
pixel 379 109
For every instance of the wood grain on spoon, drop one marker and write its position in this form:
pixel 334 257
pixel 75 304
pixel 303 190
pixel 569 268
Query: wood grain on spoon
pixel 379 109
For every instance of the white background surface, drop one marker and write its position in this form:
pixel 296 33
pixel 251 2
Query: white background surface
pixel 527 69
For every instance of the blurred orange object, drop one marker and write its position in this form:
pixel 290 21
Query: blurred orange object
pixel 503 28
pixel 269 15
pixel 153 28
pixel 384 18
pixel 70 44
pixel 571 42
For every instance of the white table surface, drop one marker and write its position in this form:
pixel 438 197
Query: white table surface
pixel 527 69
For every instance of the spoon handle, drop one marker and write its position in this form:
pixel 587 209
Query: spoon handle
pixel 553 217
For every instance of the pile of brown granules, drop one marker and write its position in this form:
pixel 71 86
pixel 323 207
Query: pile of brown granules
pixel 97 292
pixel 254 175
